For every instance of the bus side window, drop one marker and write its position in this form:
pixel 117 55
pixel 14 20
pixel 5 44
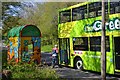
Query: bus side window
pixel 98 6
pixel 99 13
pixel 80 43
pixel 106 7
pixel 92 10
pixel 114 7
pixel 95 43
pixel 76 14
pixel 65 16
pixel 117 7
pixel 85 12
pixel 79 13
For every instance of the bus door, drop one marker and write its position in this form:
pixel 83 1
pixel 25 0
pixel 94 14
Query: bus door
pixel 117 52
pixel 64 49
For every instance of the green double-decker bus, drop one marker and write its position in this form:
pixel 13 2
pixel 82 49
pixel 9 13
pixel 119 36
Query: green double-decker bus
pixel 79 33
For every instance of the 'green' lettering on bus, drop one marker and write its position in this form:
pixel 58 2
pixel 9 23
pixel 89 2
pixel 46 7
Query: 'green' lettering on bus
pixel 97 25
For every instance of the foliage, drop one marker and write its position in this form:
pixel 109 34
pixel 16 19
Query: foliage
pixel 49 18
pixel 44 15
pixel 7 15
pixel 13 11
pixel 47 48
pixel 31 71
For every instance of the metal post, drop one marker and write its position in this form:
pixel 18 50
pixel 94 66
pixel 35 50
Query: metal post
pixel 103 50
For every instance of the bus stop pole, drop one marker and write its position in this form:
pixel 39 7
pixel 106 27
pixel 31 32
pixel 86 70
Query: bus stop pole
pixel 103 50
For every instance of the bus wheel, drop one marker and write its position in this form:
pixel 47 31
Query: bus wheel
pixel 78 64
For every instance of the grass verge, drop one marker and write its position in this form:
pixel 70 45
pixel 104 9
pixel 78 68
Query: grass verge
pixel 47 48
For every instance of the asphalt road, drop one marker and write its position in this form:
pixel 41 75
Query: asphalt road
pixel 70 73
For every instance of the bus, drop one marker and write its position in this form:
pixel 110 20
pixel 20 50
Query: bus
pixel 79 34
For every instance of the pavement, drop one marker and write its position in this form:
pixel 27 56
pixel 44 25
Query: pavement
pixel 73 74
pixel 46 58
pixel 70 73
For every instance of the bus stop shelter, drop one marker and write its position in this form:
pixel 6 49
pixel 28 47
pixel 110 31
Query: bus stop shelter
pixel 24 44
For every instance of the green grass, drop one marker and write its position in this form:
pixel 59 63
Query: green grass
pixel 46 48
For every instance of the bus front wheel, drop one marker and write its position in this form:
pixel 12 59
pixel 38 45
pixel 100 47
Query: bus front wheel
pixel 78 64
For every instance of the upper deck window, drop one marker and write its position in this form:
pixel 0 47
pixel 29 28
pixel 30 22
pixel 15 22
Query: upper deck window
pixel 92 10
pixel 95 9
pixel 79 13
pixel 117 7
pixel 65 16
pixel 114 7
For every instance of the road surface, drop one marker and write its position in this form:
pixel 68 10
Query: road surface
pixel 70 73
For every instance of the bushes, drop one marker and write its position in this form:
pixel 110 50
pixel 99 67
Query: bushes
pixel 26 71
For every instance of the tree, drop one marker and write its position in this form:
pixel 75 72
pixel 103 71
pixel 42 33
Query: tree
pixel 44 15
pixel 8 18
pixel 12 12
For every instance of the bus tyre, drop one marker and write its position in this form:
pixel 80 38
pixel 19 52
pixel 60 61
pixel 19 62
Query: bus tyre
pixel 78 64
